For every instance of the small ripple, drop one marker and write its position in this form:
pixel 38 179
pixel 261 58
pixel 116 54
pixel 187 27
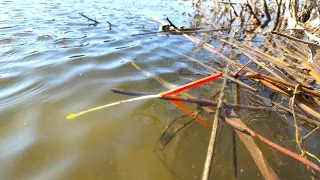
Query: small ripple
pixel 6 41
pixel 109 40
pixel 44 38
pixel 15 144
pixel 125 47
pixel 8 27
pixel 18 92
pixel 77 56
pixel 63 41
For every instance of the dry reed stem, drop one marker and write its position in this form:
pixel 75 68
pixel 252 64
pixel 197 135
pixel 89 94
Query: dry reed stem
pixel 215 70
pixel 306 136
pixel 311 121
pixel 308 110
pixel 209 157
pixel 312 72
pixel 241 69
pixel 279 81
pixel 271 59
pixel 303 107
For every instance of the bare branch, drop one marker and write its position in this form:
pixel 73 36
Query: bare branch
pixel 90 19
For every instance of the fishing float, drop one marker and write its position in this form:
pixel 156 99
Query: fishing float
pixel 163 94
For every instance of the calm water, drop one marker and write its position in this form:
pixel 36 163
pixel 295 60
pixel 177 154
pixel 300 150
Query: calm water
pixel 53 63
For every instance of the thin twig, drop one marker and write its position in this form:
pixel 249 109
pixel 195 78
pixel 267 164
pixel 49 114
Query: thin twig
pixel 295 39
pixel 237 73
pixel 90 19
pixel 209 157
pixel 221 2
pixel 191 31
pixel 171 24
pixel 110 25
pixel 306 136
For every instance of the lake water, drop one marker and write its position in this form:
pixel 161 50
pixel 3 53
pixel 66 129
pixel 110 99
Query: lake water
pixel 53 63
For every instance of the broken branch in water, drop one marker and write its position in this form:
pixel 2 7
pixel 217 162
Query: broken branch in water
pixel 235 124
pixel 163 94
pixel 90 19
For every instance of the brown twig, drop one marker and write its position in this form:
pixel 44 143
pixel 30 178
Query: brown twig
pixel 247 64
pixel 275 80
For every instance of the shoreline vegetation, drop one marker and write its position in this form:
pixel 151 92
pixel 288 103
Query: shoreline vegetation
pixel 286 61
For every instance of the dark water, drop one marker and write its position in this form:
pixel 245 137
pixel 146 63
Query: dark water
pixel 53 63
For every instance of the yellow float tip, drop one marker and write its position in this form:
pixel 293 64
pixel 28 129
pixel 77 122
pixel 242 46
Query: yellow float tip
pixel 71 116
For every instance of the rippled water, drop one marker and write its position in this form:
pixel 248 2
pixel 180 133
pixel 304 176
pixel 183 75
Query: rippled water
pixel 53 63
